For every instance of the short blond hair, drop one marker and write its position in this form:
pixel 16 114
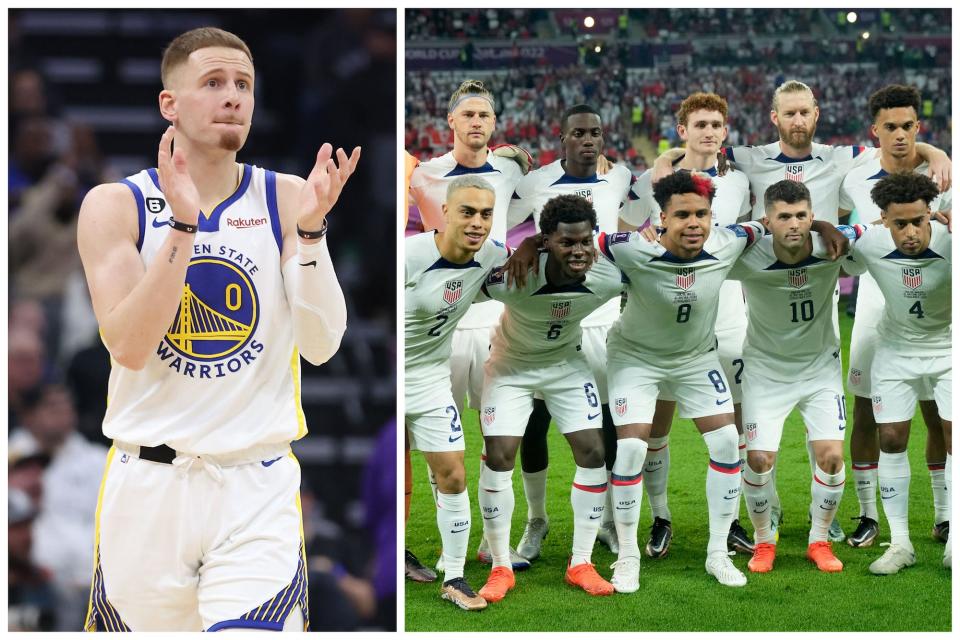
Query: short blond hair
pixel 184 44
pixel 468 87
pixel 791 86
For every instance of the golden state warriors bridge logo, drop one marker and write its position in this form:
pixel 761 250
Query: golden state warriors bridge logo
pixel 214 326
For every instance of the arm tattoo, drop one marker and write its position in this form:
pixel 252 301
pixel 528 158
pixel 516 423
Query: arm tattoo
pixel 173 254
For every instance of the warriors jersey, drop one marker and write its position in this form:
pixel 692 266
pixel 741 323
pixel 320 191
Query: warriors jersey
pixel 226 375
pixel 428 188
pixel 790 309
pixel 916 289
pixel 855 191
pixel 822 172
pixel 609 194
pixel 541 322
pixel 436 294
pixel 671 301
pixel 730 203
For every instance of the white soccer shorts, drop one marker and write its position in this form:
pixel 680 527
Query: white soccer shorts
pixel 730 353
pixel 594 347
pixel 767 403
pixel 699 386
pixel 436 429
pixel 470 350
pixel 899 381
pixel 863 339
pixel 200 544
pixel 568 388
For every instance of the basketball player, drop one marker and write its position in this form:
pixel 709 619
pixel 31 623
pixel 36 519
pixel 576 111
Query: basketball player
pixel 209 279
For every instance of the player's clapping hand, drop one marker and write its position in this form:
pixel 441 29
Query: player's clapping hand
pixel 324 185
pixel 175 181
pixel 523 259
pixel 939 170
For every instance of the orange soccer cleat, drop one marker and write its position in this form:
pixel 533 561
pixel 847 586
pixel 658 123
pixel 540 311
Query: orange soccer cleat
pixel 821 554
pixel 586 577
pixel 763 557
pixel 500 581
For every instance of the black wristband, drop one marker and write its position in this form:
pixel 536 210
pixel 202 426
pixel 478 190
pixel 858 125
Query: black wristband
pixel 313 235
pixel 183 226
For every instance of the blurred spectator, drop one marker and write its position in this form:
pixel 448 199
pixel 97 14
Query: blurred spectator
pixel 380 501
pixel 32 602
pixel 25 368
pixel 496 24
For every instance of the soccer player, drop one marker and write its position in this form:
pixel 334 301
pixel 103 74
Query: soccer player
pixel 894 110
pixel 443 272
pixel 537 349
pixel 702 125
pixel 209 279
pixel 576 173
pixel 909 257
pixel 791 360
pixel 472 118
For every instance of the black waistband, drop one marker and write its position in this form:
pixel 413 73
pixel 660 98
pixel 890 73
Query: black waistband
pixel 161 453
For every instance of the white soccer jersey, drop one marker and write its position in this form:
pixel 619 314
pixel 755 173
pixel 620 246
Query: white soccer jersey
pixel 226 375
pixel 428 188
pixel 730 203
pixel 790 309
pixel 916 290
pixel 822 172
pixel 541 322
pixel 437 293
pixel 609 194
pixel 855 190
pixel 672 302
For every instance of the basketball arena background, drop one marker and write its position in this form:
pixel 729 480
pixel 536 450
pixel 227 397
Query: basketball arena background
pixel 83 110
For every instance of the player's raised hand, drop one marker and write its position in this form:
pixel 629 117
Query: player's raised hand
pixel 939 170
pixel 175 181
pixel 324 185
pixel 523 259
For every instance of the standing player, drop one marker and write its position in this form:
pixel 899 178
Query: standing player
pixel 894 110
pixel 577 174
pixel 443 273
pixel 472 118
pixel 207 278
pixel 791 360
pixel 702 124
pixel 537 349
pixel 909 257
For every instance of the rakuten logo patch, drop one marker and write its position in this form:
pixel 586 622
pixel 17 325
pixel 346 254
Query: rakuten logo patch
pixel 246 223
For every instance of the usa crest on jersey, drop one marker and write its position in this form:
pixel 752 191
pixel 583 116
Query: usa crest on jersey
pixel 560 310
pixel 797 277
pixel 912 277
pixel 794 172
pixel 685 277
pixel 452 291
pixel 586 194
pixel 620 406
pixel 489 415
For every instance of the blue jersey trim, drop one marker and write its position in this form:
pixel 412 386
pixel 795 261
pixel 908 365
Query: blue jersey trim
pixel 443 263
pixel 547 289
pixel 669 257
pixel 247 624
pixel 878 175
pixel 806 262
pixel 270 178
pixel 568 179
pixel 461 170
pixel 141 212
pixel 156 179
pixel 212 223
pixel 783 158
pixel 927 254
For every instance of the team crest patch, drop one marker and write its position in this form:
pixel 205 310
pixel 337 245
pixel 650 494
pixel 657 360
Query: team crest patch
pixel 452 291
pixel 794 172
pixel 586 194
pixel 797 277
pixel 751 429
pixel 912 277
pixel 617 238
pixel 877 403
pixel 685 277
pixel 497 276
pixel 560 310
pixel 489 415
pixel 855 376
pixel 620 406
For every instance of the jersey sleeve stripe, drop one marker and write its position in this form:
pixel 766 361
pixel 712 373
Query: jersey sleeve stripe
pixel 141 211
pixel 602 241
pixel 270 179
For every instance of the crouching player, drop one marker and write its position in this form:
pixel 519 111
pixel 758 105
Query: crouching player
pixel 909 257
pixel 536 348
pixel 791 359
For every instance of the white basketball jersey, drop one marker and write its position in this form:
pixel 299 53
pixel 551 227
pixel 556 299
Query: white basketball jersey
pixel 855 191
pixel 226 375
pixel 428 188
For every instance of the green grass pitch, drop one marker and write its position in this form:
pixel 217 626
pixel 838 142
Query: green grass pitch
pixel 676 594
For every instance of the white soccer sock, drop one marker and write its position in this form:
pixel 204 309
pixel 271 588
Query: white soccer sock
pixel 587 496
pixel 495 496
pixel 607 504
pixel 453 520
pixel 626 479
pixel 949 483
pixel 742 451
pixel 433 484
pixel 656 470
pixel 758 494
pixel 865 477
pixel 723 484
pixel 938 483
pixel 535 490
pixel 893 473
pixel 825 491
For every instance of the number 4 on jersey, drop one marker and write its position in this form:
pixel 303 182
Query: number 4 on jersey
pixel 917 310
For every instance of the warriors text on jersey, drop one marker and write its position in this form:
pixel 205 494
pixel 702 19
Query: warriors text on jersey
pixel 541 322
pixel 672 302
pixel 226 375
pixel 436 294
pixel 855 191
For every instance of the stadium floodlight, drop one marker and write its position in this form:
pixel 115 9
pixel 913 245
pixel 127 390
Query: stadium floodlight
pixel 588 22
pixel 852 17
pixel 865 35
pixel 597 49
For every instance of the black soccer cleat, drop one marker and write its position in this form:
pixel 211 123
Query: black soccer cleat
pixel 865 533
pixel 738 540
pixel 941 531
pixel 661 533
pixel 415 570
